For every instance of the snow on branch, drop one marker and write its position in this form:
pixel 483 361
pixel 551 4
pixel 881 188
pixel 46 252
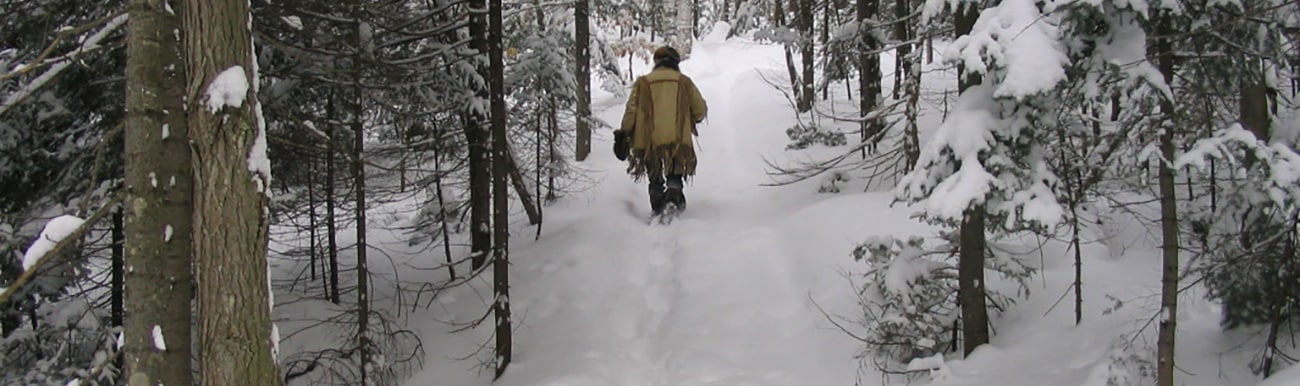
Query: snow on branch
pixel 55 232
pixel 1018 45
pixel 1281 163
pixel 64 243
pixel 89 44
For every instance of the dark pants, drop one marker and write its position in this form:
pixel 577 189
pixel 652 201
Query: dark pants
pixel 658 190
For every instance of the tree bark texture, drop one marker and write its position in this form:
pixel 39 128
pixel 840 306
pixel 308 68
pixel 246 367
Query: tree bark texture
pixel 359 181
pixel 477 137
pixel 500 196
pixel 1168 318
pixel 331 223
pixel 805 26
pixel 230 203
pixel 970 270
pixel 117 283
pixel 869 72
pixel 582 59
pixel 159 204
pixel 970 280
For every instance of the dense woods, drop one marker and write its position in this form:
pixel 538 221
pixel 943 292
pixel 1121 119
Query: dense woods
pixel 178 168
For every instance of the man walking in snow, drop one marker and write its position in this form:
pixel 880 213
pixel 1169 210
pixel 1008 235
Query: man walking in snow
pixel 659 123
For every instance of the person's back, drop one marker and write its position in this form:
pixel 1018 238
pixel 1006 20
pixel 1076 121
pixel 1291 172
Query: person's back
pixel 660 119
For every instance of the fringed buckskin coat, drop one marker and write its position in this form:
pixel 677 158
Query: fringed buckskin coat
pixel 661 115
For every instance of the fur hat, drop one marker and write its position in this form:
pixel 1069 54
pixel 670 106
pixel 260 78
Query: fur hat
pixel 667 54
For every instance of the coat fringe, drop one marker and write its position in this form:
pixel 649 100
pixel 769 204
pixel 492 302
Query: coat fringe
pixel 670 159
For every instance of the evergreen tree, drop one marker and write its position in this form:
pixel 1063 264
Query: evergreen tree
pixel 985 170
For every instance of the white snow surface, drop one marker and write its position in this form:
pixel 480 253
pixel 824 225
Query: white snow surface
pixel 54 232
pixel 732 292
pixel 228 89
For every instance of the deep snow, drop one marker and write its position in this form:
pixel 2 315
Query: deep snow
pixel 732 292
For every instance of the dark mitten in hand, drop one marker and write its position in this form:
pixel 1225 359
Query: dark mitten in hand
pixel 620 145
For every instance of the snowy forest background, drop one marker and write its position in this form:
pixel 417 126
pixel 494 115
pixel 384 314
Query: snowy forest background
pixel 1127 167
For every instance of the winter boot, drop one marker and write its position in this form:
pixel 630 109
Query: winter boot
pixel 675 196
pixel 657 202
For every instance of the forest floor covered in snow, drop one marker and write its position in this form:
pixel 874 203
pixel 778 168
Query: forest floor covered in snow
pixel 738 290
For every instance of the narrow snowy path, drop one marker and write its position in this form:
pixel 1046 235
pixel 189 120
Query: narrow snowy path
pixel 716 298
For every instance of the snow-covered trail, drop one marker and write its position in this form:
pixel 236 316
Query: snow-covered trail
pixel 732 292
pixel 713 299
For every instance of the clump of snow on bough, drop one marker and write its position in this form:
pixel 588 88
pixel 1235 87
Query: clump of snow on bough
pixel 55 231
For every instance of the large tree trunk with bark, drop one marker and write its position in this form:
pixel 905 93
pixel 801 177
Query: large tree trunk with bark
pixel 582 59
pixel 500 199
pixel 232 179
pixel 970 270
pixel 159 204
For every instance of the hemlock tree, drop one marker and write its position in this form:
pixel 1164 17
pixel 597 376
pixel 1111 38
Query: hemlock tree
pixel 159 211
pixel 985 162
pixel 232 182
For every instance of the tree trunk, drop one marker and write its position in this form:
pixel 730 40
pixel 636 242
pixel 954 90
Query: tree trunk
pixel 1270 342
pixel 118 269
pixel 902 33
pixel 500 198
pixel 331 223
pixel 363 274
pixel 553 129
pixel 1255 115
pixel 582 60
pixel 868 74
pixel 911 132
pixel 359 178
pixel 442 215
pixel 231 178
pixel 974 311
pixel 1168 317
pixel 779 17
pixel 1076 196
pixel 805 26
pixel 313 243
pixel 159 205
pixel 477 137
pixel 521 188
pixel 117 287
